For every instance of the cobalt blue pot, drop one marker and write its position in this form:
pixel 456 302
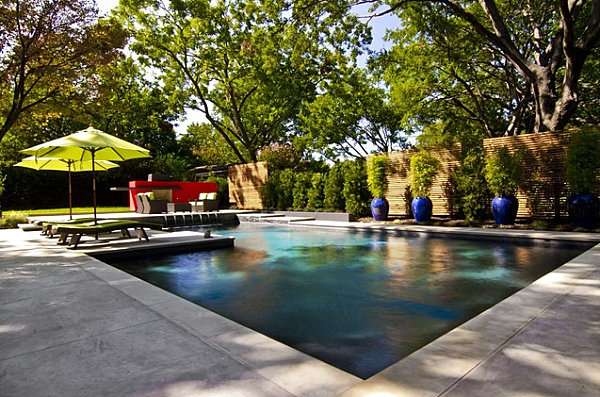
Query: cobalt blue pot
pixel 583 210
pixel 380 209
pixel 504 209
pixel 421 208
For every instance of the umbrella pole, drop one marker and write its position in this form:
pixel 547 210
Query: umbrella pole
pixel 94 186
pixel 70 195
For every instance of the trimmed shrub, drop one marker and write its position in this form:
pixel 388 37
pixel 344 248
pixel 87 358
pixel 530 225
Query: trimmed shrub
pixel 333 196
pixel 503 172
pixel 315 192
pixel 471 188
pixel 269 191
pixel 583 161
pixel 11 221
pixel 285 189
pixel 301 186
pixel 423 169
pixel 356 193
pixel 376 178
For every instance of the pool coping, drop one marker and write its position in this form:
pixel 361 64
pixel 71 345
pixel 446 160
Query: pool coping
pixel 454 231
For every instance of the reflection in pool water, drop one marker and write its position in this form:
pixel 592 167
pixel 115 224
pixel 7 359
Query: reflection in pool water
pixel 358 301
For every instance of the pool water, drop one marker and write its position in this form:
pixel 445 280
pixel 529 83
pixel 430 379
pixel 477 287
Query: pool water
pixel 357 301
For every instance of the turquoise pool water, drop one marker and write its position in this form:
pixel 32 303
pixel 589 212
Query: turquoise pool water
pixel 357 301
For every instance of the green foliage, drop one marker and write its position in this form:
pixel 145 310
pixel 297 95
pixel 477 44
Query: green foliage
pixel 206 146
pixel 356 192
pixel 503 172
pixel 11 221
pixel 279 156
pixel 269 191
pixel 301 186
pixel 333 197
pixel 246 65
pixel 423 169
pixel 583 160
pixel 471 187
pixel 352 118
pixel 285 189
pixel 49 49
pixel 223 192
pixel 171 165
pixel 315 192
pixel 376 179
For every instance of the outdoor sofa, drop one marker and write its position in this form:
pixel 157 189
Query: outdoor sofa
pixel 206 202
pixel 147 204
pixel 76 231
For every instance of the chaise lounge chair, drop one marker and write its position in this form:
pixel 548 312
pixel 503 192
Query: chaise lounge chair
pixel 76 231
pixel 47 227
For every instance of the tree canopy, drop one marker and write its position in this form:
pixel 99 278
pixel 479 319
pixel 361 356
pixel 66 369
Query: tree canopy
pixel 246 65
pixel 46 48
pixel 540 48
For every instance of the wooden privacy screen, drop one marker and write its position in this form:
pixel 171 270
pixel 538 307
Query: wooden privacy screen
pixel 245 184
pixel 544 191
pixel 398 192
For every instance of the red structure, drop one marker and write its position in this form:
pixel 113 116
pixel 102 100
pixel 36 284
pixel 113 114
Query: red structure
pixel 172 191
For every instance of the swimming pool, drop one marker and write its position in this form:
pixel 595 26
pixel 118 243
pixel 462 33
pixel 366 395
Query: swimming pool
pixel 357 301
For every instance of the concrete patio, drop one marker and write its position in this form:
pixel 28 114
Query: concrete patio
pixel 71 325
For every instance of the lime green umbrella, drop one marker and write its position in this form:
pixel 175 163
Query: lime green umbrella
pixel 50 164
pixel 89 144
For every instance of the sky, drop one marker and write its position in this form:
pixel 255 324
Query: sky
pixel 379 27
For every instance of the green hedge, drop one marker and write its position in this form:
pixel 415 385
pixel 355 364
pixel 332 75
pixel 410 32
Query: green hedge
pixel 342 188
pixel 315 191
pixel 356 192
pixel 333 197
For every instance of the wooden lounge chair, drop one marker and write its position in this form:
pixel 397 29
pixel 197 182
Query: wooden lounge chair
pixel 47 227
pixel 76 231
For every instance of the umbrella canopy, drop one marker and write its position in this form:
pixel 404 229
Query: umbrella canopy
pixel 88 144
pixel 66 165
pixel 50 164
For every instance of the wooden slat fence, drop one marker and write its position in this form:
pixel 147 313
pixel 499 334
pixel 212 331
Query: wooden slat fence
pixel 245 184
pixel 544 191
pixel 398 192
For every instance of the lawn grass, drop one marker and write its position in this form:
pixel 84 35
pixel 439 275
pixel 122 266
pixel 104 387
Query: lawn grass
pixel 63 211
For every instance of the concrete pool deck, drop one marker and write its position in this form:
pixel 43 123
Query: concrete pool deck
pixel 71 325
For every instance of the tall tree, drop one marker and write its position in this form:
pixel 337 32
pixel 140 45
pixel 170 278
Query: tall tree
pixel 352 119
pixel 45 48
pixel 546 42
pixel 246 65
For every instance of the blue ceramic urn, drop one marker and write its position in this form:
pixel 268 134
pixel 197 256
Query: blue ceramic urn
pixel 380 209
pixel 504 209
pixel 583 210
pixel 421 208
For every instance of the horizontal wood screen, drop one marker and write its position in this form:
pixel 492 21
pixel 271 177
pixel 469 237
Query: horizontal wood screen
pixel 398 192
pixel 544 191
pixel 245 184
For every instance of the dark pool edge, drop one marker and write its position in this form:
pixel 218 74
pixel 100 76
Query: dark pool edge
pixel 164 247
pixel 453 232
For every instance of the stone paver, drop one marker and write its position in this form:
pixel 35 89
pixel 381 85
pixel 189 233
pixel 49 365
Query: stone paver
pixel 71 325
